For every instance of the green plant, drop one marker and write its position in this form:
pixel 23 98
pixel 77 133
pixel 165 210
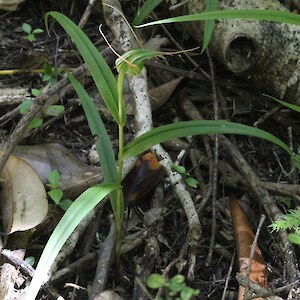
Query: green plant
pixel 51 110
pixel 50 74
pixel 291 221
pixel 174 288
pixel 189 180
pixel 149 5
pixel 27 28
pixel 55 193
pixel 112 93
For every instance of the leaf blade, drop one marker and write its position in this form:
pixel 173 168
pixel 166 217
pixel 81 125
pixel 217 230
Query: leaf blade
pixel 271 15
pixel 146 9
pixel 101 73
pixel 187 128
pixel 76 212
pixel 211 5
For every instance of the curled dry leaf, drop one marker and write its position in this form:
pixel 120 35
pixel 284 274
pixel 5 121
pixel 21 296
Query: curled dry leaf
pixel 158 95
pixel 75 175
pixel 143 177
pixel 23 198
pixel 244 240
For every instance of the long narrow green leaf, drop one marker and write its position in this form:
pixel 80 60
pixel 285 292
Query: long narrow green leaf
pixel 146 9
pixel 73 216
pixel 100 71
pixel 104 146
pixel 187 128
pixel 266 15
pixel 211 5
pixel 289 105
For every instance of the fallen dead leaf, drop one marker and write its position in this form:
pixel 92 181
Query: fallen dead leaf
pixel 158 95
pixel 244 240
pixel 23 198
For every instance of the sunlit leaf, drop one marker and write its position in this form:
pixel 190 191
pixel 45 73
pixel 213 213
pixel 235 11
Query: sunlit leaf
pixel 156 281
pixel 26 27
pixel 73 216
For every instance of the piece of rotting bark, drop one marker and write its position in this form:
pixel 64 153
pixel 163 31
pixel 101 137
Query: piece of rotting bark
pixel 267 53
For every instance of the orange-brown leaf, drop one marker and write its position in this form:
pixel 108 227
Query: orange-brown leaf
pixel 244 240
pixel 144 176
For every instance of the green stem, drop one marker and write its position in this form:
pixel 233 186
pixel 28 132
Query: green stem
pixel 120 201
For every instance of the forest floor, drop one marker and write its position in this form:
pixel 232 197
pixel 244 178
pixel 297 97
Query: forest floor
pixel 154 244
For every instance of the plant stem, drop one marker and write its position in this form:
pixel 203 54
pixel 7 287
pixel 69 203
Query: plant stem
pixel 120 201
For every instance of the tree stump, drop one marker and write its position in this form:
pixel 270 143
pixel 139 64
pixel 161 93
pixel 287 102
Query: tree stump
pixel 267 53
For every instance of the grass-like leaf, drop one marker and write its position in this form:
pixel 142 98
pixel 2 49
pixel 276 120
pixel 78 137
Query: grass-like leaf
pixel 211 5
pixel 146 9
pixel 289 105
pixel 103 144
pixel 73 216
pixel 266 15
pixel 187 128
pixel 100 71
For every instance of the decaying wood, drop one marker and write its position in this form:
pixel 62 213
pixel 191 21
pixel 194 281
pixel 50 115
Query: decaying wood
pixel 267 53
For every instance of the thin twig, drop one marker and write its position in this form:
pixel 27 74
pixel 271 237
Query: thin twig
pixel 252 251
pixel 215 165
pixel 86 14
pixel 228 275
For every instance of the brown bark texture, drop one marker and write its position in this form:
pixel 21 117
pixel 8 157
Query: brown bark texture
pixel 267 53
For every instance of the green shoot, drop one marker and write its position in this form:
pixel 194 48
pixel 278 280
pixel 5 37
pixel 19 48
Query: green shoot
pixel 189 180
pixel 174 288
pixel 55 193
pixel 27 28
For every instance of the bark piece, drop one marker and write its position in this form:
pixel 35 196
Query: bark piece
pixel 268 53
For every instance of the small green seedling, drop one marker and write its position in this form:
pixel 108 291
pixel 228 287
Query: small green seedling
pixel 190 181
pixel 24 107
pixel 27 28
pixel 50 74
pixel 55 193
pixel 51 110
pixel 174 288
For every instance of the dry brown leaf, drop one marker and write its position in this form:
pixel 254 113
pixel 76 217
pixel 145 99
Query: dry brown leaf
pixel 244 240
pixel 161 94
pixel 75 175
pixel 158 95
pixel 23 198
